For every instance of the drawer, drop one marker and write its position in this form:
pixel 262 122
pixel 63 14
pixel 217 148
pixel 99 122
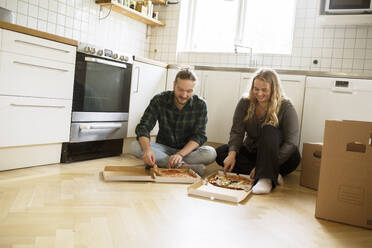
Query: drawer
pixel 30 76
pixel 38 47
pixel 1 35
pixel 31 121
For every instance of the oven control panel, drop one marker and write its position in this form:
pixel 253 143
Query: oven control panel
pixel 104 52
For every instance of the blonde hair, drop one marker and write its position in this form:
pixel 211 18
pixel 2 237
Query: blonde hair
pixel 275 100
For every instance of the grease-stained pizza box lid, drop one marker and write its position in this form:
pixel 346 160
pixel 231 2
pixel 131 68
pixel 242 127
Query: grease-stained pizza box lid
pixel 205 189
pixel 193 177
pixel 127 173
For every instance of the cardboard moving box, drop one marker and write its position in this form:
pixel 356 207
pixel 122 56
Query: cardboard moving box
pixel 310 163
pixel 345 182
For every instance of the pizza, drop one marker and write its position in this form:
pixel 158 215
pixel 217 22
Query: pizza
pixel 230 181
pixel 177 173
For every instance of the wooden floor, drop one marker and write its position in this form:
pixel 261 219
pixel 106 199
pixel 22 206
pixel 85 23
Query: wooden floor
pixel 69 205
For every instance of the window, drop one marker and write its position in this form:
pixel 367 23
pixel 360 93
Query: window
pixel 266 26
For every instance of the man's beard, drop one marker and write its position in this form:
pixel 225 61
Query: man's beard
pixel 181 103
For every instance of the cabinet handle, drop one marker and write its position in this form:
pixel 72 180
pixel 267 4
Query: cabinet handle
pixel 36 105
pixel 138 75
pixel 40 66
pixel 290 80
pixel 43 46
pixel 204 83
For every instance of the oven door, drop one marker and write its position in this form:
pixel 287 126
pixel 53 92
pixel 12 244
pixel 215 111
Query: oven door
pixel 101 85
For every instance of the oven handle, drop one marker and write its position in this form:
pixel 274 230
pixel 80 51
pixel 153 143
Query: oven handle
pixel 102 61
pixel 100 126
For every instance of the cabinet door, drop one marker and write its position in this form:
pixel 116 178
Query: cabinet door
pixel 245 83
pixel 294 88
pixel 171 75
pixel 147 81
pixel 221 91
pixel 37 47
pixel 32 121
pixel 36 77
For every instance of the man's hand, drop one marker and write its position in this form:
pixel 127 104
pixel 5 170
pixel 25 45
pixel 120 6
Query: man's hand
pixel 229 163
pixel 149 157
pixel 174 160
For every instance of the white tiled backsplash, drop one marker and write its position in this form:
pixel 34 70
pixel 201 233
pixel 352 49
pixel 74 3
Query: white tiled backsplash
pixel 79 20
pixel 337 48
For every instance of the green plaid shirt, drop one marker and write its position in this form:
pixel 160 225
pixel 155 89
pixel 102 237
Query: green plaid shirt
pixel 176 127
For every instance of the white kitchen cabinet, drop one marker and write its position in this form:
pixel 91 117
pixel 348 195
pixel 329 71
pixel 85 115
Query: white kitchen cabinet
pixel 245 83
pixel 31 120
pixel 220 89
pixel 36 87
pixel 334 98
pixel 147 81
pixel 294 87
pixel 37 47
pixel 37 77
pixel 171 75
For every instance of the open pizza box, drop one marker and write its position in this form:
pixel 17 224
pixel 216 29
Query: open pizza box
pixel 127 173
pixel 205 189
pixel 143 174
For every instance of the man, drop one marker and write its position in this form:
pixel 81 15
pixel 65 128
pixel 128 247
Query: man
pixel 182 118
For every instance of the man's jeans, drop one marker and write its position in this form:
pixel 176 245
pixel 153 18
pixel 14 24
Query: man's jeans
pixel 203 155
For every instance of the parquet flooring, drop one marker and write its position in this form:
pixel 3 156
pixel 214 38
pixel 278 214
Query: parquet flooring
pixel 69 205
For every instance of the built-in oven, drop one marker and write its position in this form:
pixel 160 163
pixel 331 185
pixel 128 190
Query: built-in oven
pixel 100 104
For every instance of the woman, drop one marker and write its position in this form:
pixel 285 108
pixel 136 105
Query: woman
pixel 264 135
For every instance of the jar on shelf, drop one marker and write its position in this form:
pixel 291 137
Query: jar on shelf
pixel 155 15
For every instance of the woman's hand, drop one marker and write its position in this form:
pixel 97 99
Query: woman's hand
pixel 253 172
pixel 229 163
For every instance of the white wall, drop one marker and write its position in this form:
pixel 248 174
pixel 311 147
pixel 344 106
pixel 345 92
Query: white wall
pixel 79 20
pixel 337 48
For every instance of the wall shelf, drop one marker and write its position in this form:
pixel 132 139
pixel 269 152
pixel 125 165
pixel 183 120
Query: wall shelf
pixel 124 10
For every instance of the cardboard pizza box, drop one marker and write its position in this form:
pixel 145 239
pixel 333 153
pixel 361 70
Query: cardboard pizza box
pixel 310 164
pixel 127 173
pixel 192 177
pixel 205 189
pixel 345 185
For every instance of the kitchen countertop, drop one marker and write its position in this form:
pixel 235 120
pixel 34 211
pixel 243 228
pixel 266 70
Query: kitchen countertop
pixel 150 61
pixel 291 72
pixel 37 33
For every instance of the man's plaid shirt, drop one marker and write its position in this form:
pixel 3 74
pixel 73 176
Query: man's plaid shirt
pixel 176 127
